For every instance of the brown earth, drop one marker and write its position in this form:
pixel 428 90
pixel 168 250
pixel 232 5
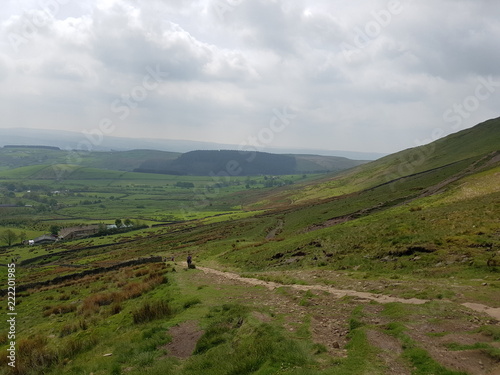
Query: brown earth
pixel 185 336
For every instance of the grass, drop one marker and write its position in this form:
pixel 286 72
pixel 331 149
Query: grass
pixel 247 346
pixel 151 310
pixel 397 242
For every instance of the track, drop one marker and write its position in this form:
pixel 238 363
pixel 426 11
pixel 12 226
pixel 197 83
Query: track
pixel 339 293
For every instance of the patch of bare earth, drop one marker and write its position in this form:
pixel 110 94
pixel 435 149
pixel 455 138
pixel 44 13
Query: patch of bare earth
pixel 390 351
pixel 185 336
pixel 454 331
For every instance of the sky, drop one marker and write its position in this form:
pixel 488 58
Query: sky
pixel 366 75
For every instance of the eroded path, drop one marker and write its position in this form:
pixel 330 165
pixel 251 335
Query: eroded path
pixel 339 293
pixel 327 317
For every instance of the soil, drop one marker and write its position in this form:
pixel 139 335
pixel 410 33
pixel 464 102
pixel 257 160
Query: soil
pixel 185 336
pixel 390 351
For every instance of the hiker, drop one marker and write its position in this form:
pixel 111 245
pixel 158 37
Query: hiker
pixel 189 260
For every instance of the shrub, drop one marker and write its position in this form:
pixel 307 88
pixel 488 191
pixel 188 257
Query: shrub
pixel 141 272
pixel 64 297
pixel 92 303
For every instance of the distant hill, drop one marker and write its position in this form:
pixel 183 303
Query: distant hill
pixel 68 140
pixel 198 163
pixel 32 146
pixel 236 163
pixel 23 156
pixel 227 163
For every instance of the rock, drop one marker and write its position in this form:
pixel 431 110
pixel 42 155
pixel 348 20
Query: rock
pixel 335 345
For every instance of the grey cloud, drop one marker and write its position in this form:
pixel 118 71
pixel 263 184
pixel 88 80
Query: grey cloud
pixel 227 74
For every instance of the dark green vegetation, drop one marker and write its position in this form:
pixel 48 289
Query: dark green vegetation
pixel 423 223
pixel 226 163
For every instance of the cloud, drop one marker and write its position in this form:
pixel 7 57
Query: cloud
pixel 231 62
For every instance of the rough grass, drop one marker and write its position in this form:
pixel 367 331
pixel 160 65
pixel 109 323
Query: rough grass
pixel 151 310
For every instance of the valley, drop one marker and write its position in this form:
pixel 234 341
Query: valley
pixel 386 267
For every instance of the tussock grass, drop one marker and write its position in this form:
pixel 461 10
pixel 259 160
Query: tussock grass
pixel 35 355
pixel 59 310
pixel 151 310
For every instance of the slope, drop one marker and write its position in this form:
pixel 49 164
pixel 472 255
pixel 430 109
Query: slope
pixel 17 157
pixel 470 144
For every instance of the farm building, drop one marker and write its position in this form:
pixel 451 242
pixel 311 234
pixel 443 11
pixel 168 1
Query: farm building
pixel 78 232
pixel 45 239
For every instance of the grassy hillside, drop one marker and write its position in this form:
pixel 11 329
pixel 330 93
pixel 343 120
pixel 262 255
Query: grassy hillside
pixel 382 270
pixel 12 157
pixel 470 144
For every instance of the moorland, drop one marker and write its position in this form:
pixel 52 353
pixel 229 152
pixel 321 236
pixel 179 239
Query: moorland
pixel 385 267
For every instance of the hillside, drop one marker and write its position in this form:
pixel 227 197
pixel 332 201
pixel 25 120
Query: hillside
pixel 198 163
pixel 390 268
pixel 467 145
pixel 236 163
pixel 12 157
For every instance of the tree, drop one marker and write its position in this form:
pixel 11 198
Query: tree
pixel 103 229
pixel 9 236
pixel 127 222
pixel 54 229
pixel 118 223
pixel 23 236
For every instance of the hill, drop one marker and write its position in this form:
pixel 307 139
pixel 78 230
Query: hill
pixel 198 163
pixel 466 146
pixel 12 157
pixel 236 163
pixel 79 141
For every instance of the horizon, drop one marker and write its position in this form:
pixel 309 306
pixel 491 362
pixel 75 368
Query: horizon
pixel 320 75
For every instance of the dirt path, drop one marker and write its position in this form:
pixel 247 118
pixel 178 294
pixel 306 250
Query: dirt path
pixel 339 293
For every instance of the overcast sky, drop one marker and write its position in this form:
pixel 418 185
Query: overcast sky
pixel 362 75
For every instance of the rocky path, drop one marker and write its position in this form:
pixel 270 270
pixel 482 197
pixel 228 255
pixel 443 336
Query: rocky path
pixel 339 293
pixel 328 317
